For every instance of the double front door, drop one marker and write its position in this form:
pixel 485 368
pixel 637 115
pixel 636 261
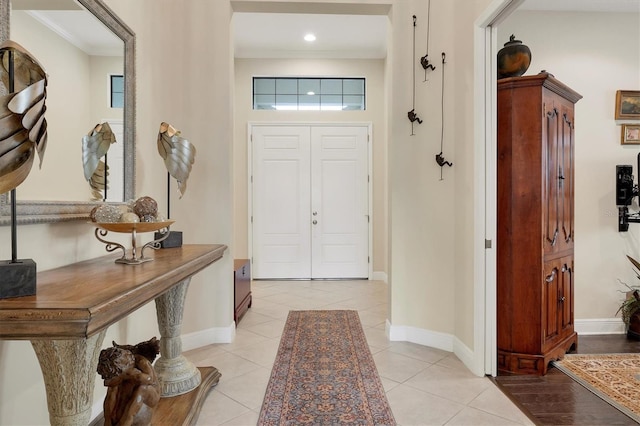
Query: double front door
pixel 310 201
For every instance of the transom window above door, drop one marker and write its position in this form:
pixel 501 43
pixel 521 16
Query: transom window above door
pixel 308 94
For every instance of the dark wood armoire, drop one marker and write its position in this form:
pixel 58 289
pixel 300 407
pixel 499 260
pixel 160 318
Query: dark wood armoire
pixel 535 237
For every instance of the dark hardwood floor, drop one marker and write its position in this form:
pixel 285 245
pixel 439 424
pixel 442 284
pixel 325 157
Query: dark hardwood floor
pixel 556 399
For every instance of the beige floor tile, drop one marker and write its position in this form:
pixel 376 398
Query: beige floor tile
pixel 244 338
pixel 270 329
pixel 396 367
pixel 455 385
pixel 201 356
pixel 218 409
pixel 262 353
pixel 412 407
pixel 423 353
pixel 388 384
pixel 231 365
pixel 269 309
pixel 376 337
pixel 247 389
pixel 247 419
pixel 493 401
pixel 470 416
pixel 252 317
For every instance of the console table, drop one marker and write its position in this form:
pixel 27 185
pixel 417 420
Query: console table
pixel 67 319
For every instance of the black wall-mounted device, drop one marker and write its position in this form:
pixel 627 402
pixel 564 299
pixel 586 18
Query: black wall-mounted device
pixel 626 190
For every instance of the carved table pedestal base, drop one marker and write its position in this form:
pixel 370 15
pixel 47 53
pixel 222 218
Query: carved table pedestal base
pixel 69 371
pixel 176 373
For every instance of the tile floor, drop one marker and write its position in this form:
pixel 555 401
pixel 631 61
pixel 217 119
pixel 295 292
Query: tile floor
pixel 424 386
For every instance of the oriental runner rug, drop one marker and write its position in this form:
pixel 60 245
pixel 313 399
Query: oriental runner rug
pixel 324 374
pixel 613 377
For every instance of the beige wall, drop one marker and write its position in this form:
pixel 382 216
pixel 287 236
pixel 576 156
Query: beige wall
pixel 373 71
pixel 102 67
pixel 68 112
pixel 423 208
pixel 598 55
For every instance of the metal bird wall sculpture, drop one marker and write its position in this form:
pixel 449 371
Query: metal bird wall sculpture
pixel 23 127
pixel 178 154
pixel 95 146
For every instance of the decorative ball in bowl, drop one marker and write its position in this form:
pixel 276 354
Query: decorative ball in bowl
pixel 132 218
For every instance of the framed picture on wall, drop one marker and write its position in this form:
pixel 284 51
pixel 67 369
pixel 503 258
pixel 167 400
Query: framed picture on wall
pixel 628 104
pixel 631 134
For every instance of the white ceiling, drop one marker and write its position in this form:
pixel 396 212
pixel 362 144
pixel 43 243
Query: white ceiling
pixel 74 23
pixel 271 35
pixel 583 5
pixel 83 30
pixel 280 35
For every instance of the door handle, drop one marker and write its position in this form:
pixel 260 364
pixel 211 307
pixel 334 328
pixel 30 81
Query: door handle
pixel 315 222
pixel 549 278
pixel 315 213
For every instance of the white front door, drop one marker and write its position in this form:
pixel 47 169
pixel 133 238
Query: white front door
pixel 310 210
pixel 339 202
pixel 281 210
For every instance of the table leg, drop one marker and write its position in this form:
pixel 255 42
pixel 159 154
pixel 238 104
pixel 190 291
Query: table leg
pixel 69 371
pixel 176 373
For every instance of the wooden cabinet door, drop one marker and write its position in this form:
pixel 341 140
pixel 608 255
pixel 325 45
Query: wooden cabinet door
pixel 566 176
pixel 550 188
pixel 565 296
pixel 557 295
pixel 551 286
pixel 558 174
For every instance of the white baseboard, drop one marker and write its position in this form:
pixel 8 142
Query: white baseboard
pixel 468 357
pixel 210 336
pixel 600 326
pixel 379 276
pixel 420 336
pixel 434 339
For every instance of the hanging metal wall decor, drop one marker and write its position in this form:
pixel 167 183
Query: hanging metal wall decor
pixel 439 157
pixel 413 117
pixel 424 61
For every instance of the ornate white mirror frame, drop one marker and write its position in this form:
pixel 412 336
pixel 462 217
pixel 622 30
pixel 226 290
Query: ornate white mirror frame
pixel 29 212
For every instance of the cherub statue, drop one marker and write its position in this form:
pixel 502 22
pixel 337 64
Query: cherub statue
pixel 134 390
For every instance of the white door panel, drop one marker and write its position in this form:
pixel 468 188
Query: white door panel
pixel 339 195
pixel 281 228
pixel 310 202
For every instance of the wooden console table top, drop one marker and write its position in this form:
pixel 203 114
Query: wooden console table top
pixel 78 300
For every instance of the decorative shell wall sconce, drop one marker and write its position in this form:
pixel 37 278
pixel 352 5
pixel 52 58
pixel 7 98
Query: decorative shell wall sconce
pixel 95 146
pixel 23 127
pixel 178 154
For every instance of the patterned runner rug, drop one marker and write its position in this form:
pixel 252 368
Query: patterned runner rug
pixel 614 378
pixel 324 374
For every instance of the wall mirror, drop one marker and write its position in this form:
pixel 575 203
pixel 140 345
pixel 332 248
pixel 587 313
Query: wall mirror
pixel 77 99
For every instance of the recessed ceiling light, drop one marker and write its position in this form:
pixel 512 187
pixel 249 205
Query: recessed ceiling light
pixel 311 93
pixel 310 37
